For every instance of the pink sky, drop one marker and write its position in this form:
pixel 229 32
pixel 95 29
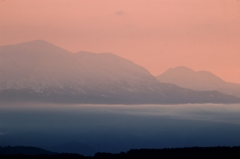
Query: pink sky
pixel 156 34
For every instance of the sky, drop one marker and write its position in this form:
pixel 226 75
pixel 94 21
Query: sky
pixel 156 34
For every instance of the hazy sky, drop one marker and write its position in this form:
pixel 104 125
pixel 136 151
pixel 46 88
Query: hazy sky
pixel 156 34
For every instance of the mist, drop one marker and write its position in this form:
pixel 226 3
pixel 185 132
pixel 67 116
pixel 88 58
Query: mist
pixel 115 128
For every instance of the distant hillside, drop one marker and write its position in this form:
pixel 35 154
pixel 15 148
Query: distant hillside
pixel 73 147
pixel 42 72
pixel 25 150
pixel 198 80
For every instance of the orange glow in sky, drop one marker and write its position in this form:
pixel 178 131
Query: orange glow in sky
pixel 156 34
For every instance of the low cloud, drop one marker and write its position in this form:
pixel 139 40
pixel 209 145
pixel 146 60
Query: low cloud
pixel 120 13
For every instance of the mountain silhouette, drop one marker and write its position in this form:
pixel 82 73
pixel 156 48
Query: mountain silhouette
pixel 24 150
pixel 198 80
pixel 42 72
pixel 73 147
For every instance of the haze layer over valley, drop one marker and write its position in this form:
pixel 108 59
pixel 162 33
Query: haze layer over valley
pixel 42 72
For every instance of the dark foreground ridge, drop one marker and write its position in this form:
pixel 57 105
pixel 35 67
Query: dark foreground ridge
pixel 186 153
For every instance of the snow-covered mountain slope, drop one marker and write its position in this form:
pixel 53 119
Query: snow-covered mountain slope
pixel 38 65
pixel 40 71
pixel 198 80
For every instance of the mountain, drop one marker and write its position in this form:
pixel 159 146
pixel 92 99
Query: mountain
pixel 198 80
pixel 73 147
pixel 24 150
pixel 42 72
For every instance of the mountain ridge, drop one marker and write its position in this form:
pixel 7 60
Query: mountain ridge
pixel 41 71
pixel 198 80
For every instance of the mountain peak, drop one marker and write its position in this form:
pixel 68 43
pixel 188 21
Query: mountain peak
pixel 198 80
pixel 37 42
pixel 35 47
pixel 187 75
pixel 180 69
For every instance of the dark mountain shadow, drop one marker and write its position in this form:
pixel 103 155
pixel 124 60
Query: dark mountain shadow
pixel 73 147
pixel 24 150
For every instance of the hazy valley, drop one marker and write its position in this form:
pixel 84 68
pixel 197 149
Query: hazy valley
pixel 87 129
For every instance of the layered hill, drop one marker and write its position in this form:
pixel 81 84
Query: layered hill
pixel 198 80
pixel 42 72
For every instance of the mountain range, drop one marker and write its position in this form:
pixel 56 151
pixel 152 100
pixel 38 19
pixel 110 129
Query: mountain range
pixel 42 72
pixel 198 80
